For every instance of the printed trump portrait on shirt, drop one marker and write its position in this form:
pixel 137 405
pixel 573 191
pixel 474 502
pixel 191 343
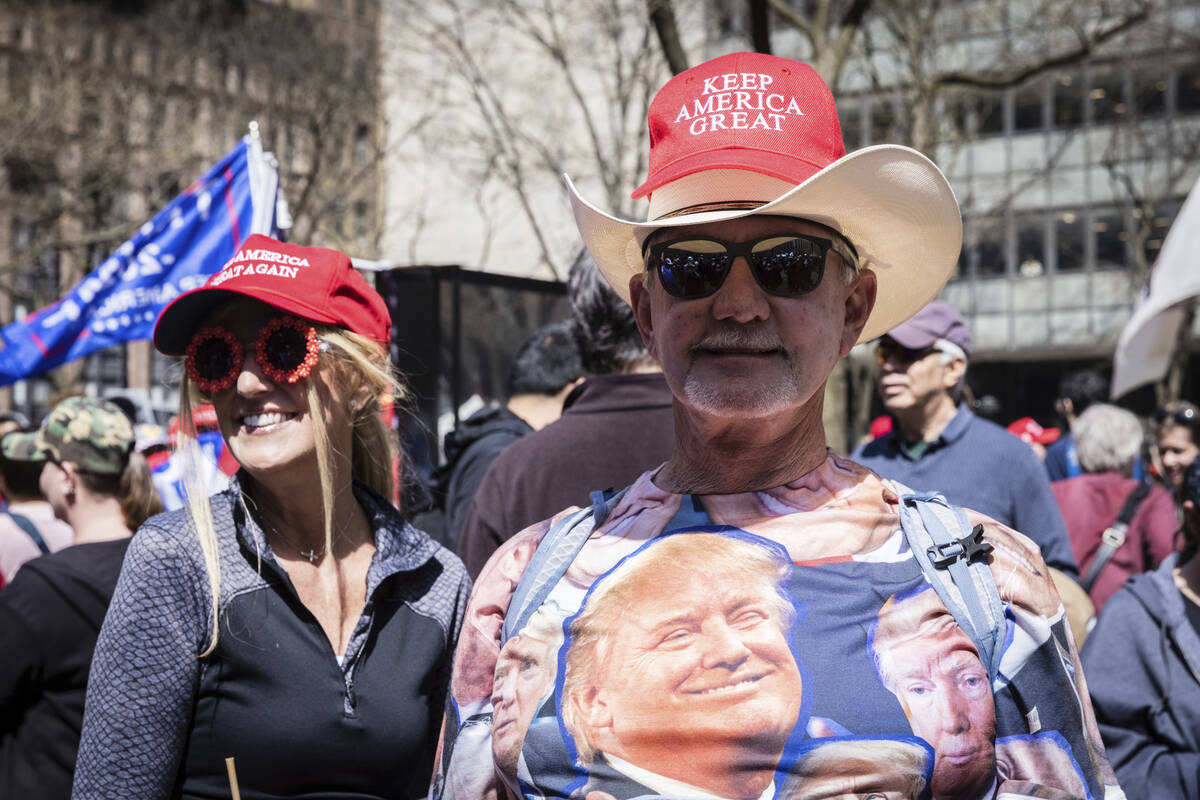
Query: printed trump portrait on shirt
pixel 679 671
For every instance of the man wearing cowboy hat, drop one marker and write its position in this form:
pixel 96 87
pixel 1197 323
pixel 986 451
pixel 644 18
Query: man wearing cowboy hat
pixel 769 252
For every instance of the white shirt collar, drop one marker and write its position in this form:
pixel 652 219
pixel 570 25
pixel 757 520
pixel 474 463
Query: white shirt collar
pixel 669 786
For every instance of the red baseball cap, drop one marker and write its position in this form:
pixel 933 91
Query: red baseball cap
pixel 314 283
pixel 751 111
pixel 1027 430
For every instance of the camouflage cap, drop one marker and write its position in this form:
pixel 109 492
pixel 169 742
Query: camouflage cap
pixel 94 435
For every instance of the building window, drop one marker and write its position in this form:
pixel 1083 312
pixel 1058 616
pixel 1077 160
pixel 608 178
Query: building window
pixel 1027 109
pixel 1068 240
pixel 1108 225
pixel 851 122
pixel 362 144
pixel 1164 214
pixel 883 118
pixel 1031 245
pixel 362 224
pixel 989 116
pixel 1105 95
pixel 1150 92
pixel 1068 100
pixel 1187 88
pixel 989 247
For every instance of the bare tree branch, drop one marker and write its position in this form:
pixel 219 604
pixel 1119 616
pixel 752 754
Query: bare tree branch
pixel 1005 79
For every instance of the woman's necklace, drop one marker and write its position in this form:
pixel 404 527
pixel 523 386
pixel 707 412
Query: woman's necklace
pixel 312 556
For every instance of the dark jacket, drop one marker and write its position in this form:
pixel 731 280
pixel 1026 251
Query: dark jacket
pixel 49 619
pixel 160 720
pixel 612 429
pixel 1142 664
pixel 470 449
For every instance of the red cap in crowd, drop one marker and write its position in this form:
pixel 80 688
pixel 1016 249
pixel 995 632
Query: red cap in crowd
pixel 1027 430
pixel 314 283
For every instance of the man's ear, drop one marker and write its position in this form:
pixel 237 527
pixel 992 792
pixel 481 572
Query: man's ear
pixel 954 372
pixel 69 478
pixel 639 300
pixel 860 300
pixel 594 713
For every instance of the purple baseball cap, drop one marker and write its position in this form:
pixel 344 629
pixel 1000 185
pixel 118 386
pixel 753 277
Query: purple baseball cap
pixel 938 320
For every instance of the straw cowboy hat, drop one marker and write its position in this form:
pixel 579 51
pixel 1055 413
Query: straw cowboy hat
pixel 748 133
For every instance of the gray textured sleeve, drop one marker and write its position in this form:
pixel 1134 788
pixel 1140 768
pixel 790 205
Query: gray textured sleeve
pixel 145 672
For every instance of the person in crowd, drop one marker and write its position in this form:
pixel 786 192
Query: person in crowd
pixel 1031 433
pixel 51 613
pixel 544 371
pixel 1076 392
pixel 612 425
pixel 1108 441
pixel 767 253
pixel 1176 442
pixel 938 444
pixel 28 526
pixel 291 632
pixel 1143 668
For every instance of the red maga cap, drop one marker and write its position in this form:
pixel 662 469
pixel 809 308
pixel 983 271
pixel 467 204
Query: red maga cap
pixel 1027 430
pixel 746 111
pixel 314 283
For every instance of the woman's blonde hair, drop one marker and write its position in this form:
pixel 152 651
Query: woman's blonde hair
pixel 133 488
pixel 362 368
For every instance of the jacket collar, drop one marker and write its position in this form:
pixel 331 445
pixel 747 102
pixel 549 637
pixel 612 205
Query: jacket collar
pixel 399 547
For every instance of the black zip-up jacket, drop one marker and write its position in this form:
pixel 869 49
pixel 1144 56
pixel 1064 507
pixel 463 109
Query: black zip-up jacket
pixel 160 721
pixel 50 616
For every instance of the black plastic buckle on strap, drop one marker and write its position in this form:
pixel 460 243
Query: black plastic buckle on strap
pixel 968 548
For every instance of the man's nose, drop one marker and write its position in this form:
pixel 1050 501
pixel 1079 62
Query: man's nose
pixel 723 647
pixel 740 298
pixel 953 711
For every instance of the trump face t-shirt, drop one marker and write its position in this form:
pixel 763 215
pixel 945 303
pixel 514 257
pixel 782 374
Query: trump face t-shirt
pixel 778 644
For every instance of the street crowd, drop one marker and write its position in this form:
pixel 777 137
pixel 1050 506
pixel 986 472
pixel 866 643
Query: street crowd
pixel 646 572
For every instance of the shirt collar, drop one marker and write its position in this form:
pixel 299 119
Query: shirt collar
pixel 668 786
pixel 953 431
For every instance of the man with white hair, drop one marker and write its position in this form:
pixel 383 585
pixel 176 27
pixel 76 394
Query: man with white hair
pixel 767 254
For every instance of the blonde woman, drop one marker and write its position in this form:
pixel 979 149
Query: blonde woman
pixel 294 623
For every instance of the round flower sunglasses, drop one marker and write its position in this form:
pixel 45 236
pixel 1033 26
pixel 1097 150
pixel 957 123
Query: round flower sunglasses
pixel 286 351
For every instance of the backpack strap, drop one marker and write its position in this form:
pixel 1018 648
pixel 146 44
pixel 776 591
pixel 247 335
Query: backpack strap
pixel 1114 536
pixel 951 554
pixel 553 556
pixel 25 524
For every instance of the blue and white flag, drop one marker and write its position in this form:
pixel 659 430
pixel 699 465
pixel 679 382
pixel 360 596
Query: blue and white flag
pixel 177 250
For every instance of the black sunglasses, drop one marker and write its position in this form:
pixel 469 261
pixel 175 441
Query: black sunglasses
pixel 1180 416
pixel 784 265
pixel 906 356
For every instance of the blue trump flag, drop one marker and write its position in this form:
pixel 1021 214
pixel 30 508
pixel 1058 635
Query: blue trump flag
pixel 177 250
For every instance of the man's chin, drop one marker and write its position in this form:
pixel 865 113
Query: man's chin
pixel 739 400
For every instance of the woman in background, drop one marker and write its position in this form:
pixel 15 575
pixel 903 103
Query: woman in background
pixel 1177 442
pixel 51 613
pixel 293 632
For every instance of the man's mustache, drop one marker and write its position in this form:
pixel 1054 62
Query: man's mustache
pixel 750 339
